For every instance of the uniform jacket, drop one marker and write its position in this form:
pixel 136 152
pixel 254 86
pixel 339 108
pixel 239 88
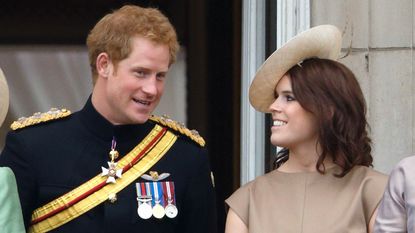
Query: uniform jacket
pixel 52 158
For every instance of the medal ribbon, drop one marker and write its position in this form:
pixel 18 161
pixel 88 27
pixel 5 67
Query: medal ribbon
pixel 171 209
pixel 138 189
pixel 161 194
pixel 149 193
pixel 170 191
pixel 157 193
pixel 113 143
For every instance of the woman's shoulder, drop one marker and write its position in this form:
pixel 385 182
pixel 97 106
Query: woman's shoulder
pixel 368 179
pixel 250 186
pixel 264 180
pixel 368 173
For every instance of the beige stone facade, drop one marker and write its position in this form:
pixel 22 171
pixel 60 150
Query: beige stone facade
pixel 379 35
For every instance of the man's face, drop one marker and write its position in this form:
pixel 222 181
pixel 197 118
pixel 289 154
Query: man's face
pixel 134 89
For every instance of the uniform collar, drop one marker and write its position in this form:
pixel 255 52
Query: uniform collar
pixel 104 129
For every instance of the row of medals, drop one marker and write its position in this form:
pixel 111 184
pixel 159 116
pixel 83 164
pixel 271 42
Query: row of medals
pixel 145 211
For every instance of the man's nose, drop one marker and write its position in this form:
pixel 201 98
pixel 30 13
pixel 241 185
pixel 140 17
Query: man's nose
pixel 150 85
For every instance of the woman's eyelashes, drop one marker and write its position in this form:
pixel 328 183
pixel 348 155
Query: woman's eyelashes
pixel 289 98
pixel 286 97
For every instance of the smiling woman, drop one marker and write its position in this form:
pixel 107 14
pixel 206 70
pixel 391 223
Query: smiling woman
pixel 293 125
pixel 330 92
pixel 323 181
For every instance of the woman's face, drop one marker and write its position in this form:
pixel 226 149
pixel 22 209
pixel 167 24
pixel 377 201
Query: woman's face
pixel 293 126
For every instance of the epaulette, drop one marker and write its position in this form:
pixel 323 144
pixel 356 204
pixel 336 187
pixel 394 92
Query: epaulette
pixel 179 127
pixel 38 117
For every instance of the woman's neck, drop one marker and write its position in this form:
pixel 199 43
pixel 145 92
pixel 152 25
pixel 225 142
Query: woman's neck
pixel 304 160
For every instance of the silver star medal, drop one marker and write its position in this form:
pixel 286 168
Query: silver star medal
pixel 112 172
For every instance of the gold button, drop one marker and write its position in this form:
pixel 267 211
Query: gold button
pixel 112 197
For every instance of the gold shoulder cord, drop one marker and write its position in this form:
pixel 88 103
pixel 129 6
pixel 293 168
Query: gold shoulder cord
pixel 179 127
pixel 38 117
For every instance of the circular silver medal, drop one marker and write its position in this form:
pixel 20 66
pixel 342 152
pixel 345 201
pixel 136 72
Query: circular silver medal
pixel 171 211
pixel 144 210
pixel 158 211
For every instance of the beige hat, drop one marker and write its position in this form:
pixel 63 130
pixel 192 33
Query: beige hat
pixel 4 97
pixel 322 41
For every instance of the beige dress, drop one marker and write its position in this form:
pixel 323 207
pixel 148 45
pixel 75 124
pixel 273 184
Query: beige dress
pixel 309 202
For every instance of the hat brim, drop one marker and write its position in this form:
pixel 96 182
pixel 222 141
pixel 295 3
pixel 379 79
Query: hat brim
pixel 322 41
pixel 4 97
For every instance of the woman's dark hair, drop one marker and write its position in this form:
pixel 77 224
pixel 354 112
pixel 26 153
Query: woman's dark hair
pixel 330 91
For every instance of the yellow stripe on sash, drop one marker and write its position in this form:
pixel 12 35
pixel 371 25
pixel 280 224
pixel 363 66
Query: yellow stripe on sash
pixel 146 162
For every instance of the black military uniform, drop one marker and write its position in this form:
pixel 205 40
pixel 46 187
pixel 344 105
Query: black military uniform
pixel 52 158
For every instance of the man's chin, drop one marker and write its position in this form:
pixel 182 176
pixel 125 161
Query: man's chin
pixel 141 119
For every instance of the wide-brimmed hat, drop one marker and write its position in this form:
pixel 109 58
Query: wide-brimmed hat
pixel 322 41
pixel 4 97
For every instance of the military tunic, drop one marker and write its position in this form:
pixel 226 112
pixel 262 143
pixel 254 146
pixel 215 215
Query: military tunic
pixel 52 158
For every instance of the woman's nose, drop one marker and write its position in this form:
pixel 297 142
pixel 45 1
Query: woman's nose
pixel 275 106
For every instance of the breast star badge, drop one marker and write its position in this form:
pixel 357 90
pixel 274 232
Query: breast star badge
pixel 112 172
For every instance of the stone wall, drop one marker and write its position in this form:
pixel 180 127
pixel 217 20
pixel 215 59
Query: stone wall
pixel 378 37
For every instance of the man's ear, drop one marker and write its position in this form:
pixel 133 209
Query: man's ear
pixel 103 65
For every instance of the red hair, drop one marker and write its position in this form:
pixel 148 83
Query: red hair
pixel 112 34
